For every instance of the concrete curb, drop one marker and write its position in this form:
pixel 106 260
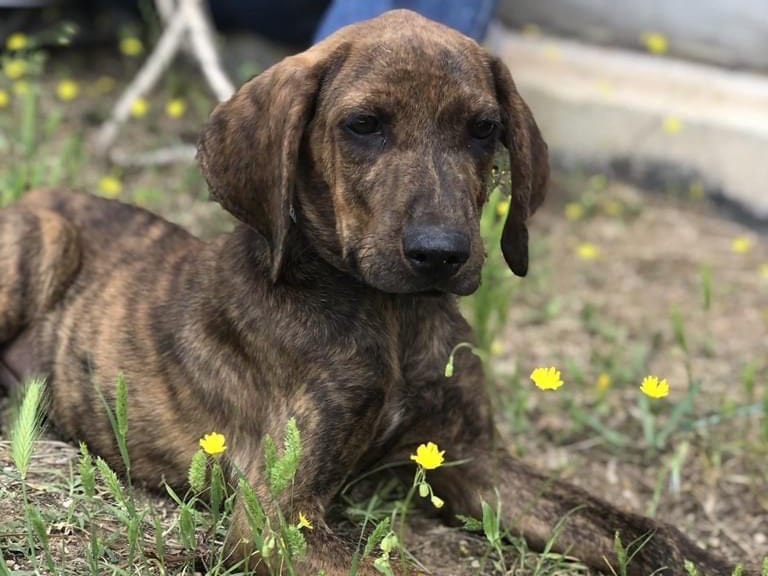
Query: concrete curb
pixel 639 114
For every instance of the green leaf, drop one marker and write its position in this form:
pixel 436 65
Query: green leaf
pixel 121 405
pixel 490 523
pixel 376 536
pixel 470 524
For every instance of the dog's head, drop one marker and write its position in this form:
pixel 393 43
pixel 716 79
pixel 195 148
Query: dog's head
pixel 377 143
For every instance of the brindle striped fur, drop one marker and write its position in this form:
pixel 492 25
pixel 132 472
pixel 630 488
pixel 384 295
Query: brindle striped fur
pixel 307 309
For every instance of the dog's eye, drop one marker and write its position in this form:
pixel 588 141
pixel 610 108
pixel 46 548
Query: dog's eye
pixel 363 125
pixel 482 129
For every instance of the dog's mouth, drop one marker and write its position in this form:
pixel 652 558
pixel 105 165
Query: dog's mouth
pixel 396 276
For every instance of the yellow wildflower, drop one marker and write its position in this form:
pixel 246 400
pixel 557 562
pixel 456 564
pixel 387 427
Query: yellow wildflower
pixel 613 207
pixel 502 207
pixel 304 522
pixel 17 41
pixel 104 84
pixel 5 98
pixel 547 378
pixel 110 186
pixel 67 90
pixel 587 251
pixel 672 124
pixel 213 443
pixel 437 502
pixel 15 68
pixel 131 46
pixel 428 456
pixel 139 108
pixel 696 190
pixel 552 52
pixel 603 382
pixel 605 86
pixel 531 30
pixel 741 245
pixel 21 87
pixel 496 348
pixel 175 107
pixel 653 387
pixel 655 42
pixel 574 211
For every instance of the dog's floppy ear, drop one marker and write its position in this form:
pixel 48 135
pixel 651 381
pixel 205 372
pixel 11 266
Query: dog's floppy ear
pixel 249 151
pixel 528 164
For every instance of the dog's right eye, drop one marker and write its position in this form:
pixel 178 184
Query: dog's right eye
pixel 363 125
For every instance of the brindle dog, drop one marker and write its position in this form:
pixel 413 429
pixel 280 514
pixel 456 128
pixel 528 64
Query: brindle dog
pixel 358 171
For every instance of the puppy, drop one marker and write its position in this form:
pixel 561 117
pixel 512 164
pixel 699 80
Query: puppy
pixel 357 170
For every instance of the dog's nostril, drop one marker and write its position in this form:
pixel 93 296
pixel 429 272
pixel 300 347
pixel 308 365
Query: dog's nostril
pixel 436 251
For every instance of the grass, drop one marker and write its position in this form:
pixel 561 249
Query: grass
pixel 703 448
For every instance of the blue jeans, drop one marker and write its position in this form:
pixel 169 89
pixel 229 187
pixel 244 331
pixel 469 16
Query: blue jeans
pixel 470 17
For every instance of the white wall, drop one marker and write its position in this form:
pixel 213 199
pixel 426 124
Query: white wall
pixel 731 33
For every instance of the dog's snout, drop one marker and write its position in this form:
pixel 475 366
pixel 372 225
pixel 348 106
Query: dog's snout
pixel 436 252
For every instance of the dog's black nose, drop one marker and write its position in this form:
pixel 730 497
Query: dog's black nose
pixel 436 252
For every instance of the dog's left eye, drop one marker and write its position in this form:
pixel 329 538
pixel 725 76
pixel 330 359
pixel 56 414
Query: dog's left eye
pixel 363 125
pixel 482 129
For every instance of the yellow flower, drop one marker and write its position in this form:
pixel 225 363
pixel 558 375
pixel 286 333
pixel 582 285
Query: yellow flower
pixel 104 84
pixel 552 52
pixel 547 378
pixel 496 348
pixel 574 211
pixel 437 502
pixel 605 86
pixel 428 456
pixel 139 108
pixel 672 124
pixel 613 207
pixel 655 42
pixel 587 251
pixel 653 387
pixel 5 98
pixel 213 443
pixel 741 245
pixel 696 190
pixel 175 108
pixel 597 182
pixel 502 208
pixel 603 382
pixel 21 87
pixel 304 522
pixel 14 68
pixel 67 90
pixel 131 46
pixel 531 30
pixel 16 41
pixel 110 186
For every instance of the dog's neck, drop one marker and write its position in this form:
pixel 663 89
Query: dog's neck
pixel 247 249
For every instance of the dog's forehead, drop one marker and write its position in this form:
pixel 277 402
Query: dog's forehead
pixel 418 60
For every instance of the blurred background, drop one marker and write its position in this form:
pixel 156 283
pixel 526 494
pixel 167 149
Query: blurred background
pixel 649 257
